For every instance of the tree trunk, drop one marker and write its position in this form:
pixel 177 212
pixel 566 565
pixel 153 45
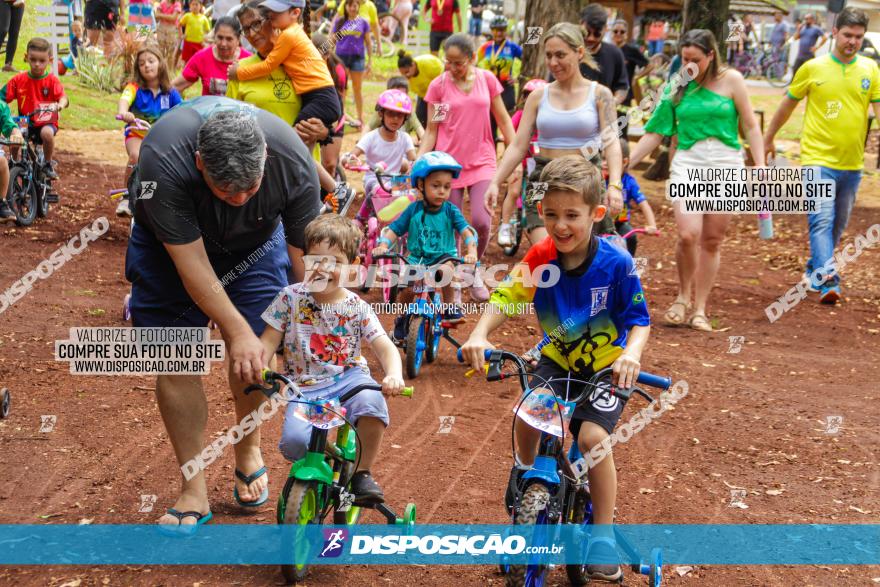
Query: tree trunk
pixel 544 14
pixel 708 14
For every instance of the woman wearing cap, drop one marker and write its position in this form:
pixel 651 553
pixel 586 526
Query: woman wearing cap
pixel 463 99
pixel 498 56
pixel 420 71
pixel 571 117
pixel 210 64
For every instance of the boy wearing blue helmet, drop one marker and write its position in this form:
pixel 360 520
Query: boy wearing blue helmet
pixel 431 224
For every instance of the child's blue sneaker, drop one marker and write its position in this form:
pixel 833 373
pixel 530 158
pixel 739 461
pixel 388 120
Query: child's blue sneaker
pixel 810 287
pixel 401 325
pixel 454 314
pixel 602 561
pixel 829 294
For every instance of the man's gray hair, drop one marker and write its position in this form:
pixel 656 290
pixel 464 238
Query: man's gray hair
pixel 233 149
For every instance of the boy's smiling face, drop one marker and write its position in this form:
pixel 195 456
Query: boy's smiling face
pixel 324 265
pixel 569 220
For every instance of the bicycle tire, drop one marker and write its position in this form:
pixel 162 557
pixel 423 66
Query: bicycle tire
pixel 5 404
pixel 534 501
pixel 21 196
pixel 777 78
pixel 517 234
pixel 432 337
pixel 302 509
pixel 416 337
pixel 577 574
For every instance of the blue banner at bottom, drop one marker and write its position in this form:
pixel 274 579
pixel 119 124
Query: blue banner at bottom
pixel 215 544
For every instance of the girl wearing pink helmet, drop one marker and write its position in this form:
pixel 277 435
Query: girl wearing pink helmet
pixel 387 144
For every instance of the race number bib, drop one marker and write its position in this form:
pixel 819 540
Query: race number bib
pixel 42 116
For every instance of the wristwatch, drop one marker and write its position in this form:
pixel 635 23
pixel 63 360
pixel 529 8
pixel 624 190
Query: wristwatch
pixel 618 185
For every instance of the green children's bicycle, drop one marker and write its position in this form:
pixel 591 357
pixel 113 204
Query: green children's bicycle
pixel 319 483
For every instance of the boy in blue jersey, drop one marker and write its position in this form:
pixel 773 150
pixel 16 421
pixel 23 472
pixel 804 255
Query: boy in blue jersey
pixel 593 316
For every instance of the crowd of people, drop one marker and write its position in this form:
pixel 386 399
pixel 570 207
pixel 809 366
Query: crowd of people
pixel 249 165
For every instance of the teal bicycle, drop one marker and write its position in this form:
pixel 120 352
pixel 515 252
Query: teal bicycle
pixel 318 484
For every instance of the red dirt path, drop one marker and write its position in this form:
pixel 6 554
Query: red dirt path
pixel 752 420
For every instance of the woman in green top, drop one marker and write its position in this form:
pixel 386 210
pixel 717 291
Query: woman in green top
pixel 705 114
pixel 421 71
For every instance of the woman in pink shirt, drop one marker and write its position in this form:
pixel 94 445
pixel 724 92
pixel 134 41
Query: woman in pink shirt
pixel 460 101
pixel 211 64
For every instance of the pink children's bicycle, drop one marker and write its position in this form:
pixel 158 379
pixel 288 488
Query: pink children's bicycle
pixel 389 199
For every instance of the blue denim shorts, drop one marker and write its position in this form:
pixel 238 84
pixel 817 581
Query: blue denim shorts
pixel 354 62
pixel 295 433
pixel 158 297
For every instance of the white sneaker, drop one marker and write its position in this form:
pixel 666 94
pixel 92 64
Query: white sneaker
pixel 505 234
pixel 123 210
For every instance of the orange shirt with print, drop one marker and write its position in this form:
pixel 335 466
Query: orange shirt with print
pixel 300 59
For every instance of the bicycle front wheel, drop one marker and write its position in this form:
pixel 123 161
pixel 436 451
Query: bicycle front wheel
pixel 22 197
pixel 776 74
pixel 302 508
pixel 532 510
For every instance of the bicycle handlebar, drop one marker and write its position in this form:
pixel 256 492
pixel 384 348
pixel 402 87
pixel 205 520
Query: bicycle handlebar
pixel 634 231
pixel 495 357
pixel 277 379
pixel 138 123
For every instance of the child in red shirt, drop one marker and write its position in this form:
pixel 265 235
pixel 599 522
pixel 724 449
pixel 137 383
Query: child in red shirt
pixel 39 95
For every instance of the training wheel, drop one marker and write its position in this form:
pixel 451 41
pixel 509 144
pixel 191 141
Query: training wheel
pixel 126 309
pixel 4 405
pixel 655 577
pixel 409 514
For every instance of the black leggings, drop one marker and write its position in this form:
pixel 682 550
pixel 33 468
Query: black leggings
pixel 10 22
pixel 422 112
pixel 508 96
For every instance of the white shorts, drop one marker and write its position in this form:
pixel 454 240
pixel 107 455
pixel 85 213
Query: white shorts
pixel 706 153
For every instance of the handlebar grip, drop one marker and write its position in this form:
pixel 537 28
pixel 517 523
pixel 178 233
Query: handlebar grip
pixel 118 117
pixel 654 380
pixel 250 388
pixel 408 391
pixel 486 354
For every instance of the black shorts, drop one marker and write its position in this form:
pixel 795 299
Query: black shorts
pixel 100 15
pixel 322 104
pixel 604 411
pixel 436 38
pixel 34 132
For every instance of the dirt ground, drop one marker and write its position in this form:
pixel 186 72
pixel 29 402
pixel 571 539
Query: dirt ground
pixel 753 420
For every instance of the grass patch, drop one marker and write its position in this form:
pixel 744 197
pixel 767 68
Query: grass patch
pixel 792 129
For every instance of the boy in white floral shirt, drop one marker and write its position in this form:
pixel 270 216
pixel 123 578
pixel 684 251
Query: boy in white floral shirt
pixel 322 326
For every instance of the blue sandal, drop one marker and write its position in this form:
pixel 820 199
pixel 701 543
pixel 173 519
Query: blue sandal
pixel 182 528
pixel 247 480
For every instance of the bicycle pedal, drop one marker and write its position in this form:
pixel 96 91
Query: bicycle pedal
pixel 52 198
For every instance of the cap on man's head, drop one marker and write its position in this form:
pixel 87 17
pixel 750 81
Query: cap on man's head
pixel 282 5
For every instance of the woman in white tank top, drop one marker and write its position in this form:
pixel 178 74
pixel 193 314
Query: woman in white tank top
pixel 571 115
